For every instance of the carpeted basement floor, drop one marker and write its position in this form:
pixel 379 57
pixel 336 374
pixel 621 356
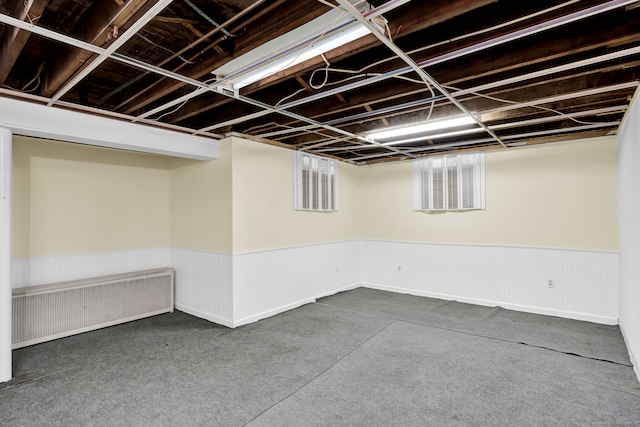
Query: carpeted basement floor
pixel 358 358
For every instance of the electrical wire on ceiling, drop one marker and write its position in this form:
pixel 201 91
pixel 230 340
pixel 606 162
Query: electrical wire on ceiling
pixel 186 61
pixel 475 33
pixel 506 101
pixel 183 50
pixel 208 18
pixel 309 44
pixel 284 126
pixel 36 79
pixel 179 106
pixel 357 74
pixel 382 22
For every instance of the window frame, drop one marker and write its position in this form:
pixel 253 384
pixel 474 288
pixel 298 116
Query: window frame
pixel 315 183
pixel 449 183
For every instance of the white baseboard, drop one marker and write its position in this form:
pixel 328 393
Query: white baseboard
pixel 632 356
pixel 235 289
pixel 291 306
pixel 584 287
pixel 488 303
pixel 272 312
pixel 205 316
pixel 337 291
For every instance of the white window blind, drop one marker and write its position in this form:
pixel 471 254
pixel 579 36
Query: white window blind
pixel 315 183
pixel 449 183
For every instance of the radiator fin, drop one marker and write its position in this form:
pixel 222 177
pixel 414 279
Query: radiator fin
pixel 42 313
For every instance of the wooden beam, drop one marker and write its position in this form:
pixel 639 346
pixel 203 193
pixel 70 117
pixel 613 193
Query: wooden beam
pixel 174 20
pixel 546 90
pixel 423 15
pixel 14 39
pixel 486 67
pixel 94 28
pixel 304 84
pixel 276 23
pixel 383 119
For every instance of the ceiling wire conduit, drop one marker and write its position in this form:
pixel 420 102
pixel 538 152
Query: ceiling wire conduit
pixel 191 45
pixel 554 23
pixel 587 92
pixel 109 53
pixel 462 92
pixel 585 126
pixel 205 49
pixel 428 79
pixel 598 111
pixel 518 137
pixel 202 87
pixel 119 42
pixel 614 4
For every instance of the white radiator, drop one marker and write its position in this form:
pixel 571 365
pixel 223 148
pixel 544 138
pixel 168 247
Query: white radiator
pixel 47 312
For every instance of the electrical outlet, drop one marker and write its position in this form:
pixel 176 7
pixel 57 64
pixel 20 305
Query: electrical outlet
pixel 399 269
pixel 551 283
pixel 337 270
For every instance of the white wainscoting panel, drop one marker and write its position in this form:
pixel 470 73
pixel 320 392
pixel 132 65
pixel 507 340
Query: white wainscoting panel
pixel 270 282
pixel 233 290
pixel 63 268
pixel 204 284
pixel 586 282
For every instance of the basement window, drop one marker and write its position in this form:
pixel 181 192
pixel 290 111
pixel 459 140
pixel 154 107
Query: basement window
pixel 315 183
pixel 449 183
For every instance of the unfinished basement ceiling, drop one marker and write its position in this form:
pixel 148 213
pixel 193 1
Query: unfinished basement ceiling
pixel 527 72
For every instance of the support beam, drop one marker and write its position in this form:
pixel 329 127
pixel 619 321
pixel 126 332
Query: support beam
pixel 416 68
pixel 274 24
pixel 29 119
pixel 5 253
pixel 100 19
pixel 14 38
pixel 119 42
pixel 423 15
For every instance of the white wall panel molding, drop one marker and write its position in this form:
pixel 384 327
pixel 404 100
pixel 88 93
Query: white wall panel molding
pixel 632 356
pixel 62 268
pixel 6 174
pixel 490 246
pixel 585 282
pixel 290 248
pixel 30 119
pixel 233 290
pixel 204 284
pixel 629 228
pixel 266 283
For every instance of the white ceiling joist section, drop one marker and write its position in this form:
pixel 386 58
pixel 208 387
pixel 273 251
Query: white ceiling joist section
pixel 28 119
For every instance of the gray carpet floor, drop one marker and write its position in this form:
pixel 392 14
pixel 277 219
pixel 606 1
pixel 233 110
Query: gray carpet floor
pixel 358 358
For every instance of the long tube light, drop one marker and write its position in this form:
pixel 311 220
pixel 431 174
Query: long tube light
pixel 421 127
pixel 322 34
pixel 315 49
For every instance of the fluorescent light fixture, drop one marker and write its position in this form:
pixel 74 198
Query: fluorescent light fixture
pixel 421 127
pixel 436 136
pixel 322 34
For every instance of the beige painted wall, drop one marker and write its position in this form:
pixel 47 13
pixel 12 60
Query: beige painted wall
pixel 201 194
pixel 562 195
pixel 70 198
pixel 263 215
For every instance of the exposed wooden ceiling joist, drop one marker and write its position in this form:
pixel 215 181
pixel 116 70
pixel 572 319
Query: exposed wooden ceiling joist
pixel 14 39
pixel 566 55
